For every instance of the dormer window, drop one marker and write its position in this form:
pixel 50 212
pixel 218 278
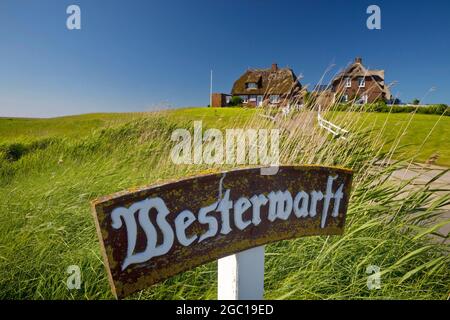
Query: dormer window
pixel 348 82
pixel 361 82
pixel 252 85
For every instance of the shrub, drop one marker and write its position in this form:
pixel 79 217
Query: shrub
pixel 381 106
pixel 235 101
pixel 14 151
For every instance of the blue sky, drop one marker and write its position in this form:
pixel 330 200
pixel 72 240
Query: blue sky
pixel 142 55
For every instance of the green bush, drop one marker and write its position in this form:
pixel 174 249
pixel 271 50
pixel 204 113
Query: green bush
pixel 381 106
pixel 14 151
pixel 235 101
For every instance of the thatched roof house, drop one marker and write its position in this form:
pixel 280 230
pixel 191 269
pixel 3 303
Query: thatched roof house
pixel 274 85
pixel 361 84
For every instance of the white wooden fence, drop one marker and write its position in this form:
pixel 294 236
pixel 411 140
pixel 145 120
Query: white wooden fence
pixel 331 127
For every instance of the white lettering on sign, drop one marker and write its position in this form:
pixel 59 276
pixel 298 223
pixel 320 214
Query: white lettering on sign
pixel 128 215
pixel 281 204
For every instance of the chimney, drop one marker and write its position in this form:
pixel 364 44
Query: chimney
pixel 358 60
pixel 274 67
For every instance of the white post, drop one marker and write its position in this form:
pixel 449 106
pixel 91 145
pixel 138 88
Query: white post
pixel 241 275
pixel 210 90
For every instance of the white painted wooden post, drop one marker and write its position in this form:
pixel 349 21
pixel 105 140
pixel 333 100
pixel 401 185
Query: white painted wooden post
pixel 241 275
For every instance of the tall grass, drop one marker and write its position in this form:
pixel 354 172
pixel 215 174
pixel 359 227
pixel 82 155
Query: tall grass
pixel 46 225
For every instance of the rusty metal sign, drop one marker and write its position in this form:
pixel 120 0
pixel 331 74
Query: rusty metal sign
pixel 150 234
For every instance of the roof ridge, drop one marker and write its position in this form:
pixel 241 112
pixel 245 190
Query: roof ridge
pixel 268 69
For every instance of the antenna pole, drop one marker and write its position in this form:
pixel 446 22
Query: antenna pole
pixel 210 89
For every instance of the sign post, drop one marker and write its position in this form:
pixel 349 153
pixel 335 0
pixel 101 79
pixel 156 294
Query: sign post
pixel 150 234
pixel 241 275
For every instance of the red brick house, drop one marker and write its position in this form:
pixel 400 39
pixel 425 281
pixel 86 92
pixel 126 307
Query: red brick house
pixel 360 85
pixel 274 86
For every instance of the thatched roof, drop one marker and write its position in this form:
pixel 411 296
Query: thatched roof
pixel 273 80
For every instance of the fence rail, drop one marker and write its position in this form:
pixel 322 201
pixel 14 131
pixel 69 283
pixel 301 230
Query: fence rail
pixel 331 127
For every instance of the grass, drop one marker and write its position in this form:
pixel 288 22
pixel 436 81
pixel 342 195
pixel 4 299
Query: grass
pixel 59 165
pixel 18 129
pixel 412 129
pixel 23 129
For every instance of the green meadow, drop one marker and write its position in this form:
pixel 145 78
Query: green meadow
pixel 421 136
pixel 50 170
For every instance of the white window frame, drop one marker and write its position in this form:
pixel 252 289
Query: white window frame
pixel 260 98
pixel 348 82
pixel 274 98
pixel 252 97
pixel 252 85
pixel 365 98
pixel 361 82
pixel 244 98
pixel 345 98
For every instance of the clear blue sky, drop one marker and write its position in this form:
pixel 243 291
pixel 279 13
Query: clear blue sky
pixel 138 55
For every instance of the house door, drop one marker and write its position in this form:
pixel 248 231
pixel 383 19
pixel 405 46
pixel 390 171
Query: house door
pixel 259 100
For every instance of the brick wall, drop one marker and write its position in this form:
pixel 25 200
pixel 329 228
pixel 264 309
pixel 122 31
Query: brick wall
pixel 218 100
pixel 372 90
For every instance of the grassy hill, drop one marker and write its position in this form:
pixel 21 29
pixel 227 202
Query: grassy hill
pixel 50 170
pixel 420 136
